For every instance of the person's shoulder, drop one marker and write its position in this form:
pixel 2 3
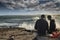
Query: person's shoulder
pixel 45 21
pixel 38 19
pixel 52 20
pixel 41 20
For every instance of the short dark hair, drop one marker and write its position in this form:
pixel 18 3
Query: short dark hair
pixel 42 16
pixel 49 17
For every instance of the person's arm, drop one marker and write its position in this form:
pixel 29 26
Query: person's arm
pixel 55 25
pixel 47 27
pixel 36 25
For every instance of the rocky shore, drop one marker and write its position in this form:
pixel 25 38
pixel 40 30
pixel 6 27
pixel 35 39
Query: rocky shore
pixel 19 34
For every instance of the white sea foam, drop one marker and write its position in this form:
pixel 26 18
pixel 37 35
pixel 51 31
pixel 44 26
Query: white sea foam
pixel 27 26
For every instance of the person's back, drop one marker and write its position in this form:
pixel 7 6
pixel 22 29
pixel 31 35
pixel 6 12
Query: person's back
pixel 52 25
pixel 41 26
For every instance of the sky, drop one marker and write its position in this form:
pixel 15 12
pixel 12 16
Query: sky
pixel 29 7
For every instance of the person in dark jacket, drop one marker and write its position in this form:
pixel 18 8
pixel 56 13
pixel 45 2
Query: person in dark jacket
pixel 52 24
pixel 41 26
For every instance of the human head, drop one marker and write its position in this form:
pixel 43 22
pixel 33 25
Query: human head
pixel 42 16
pixel 49 17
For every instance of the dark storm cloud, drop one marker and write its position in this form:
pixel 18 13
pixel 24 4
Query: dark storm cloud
pixel 53 5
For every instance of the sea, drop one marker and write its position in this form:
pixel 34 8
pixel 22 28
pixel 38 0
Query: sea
pixel 23 21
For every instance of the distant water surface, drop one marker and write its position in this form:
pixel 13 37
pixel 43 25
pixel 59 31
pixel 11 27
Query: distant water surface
pixel 24 22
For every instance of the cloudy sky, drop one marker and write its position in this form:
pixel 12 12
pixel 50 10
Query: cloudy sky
pixel 29 7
